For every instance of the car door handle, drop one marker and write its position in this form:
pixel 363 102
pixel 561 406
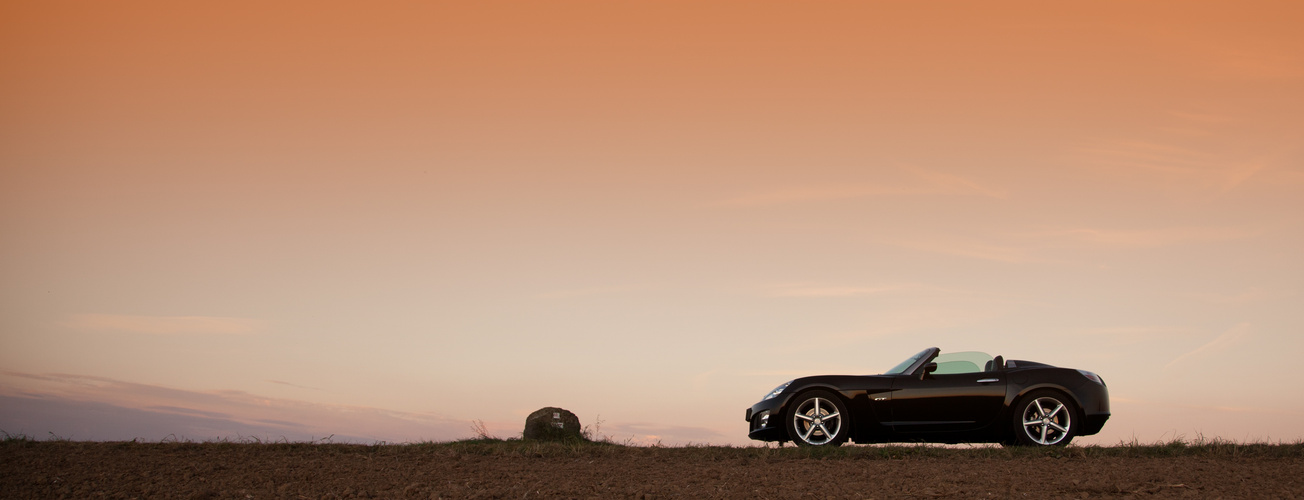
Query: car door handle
pixel 988 380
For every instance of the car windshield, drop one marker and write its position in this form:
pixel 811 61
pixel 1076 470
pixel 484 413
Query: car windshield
pixel 905 365
pixel 963 362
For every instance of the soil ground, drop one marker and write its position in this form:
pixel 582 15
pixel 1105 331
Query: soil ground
pixel 521 470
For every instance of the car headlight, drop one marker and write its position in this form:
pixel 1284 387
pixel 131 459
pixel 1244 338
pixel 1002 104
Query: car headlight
pixel 1092 377
pixel 777 390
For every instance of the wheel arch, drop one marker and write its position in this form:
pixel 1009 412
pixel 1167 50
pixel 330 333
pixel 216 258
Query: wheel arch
pixel 807 388
pixel 1011 401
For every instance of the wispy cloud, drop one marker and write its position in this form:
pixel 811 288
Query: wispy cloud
pixel 825 291
pixel 1261 62
pixel 187 411
pixel 1136 331
pixel 905 181
pixel 1117 336
pixel 1199 117
pixel 1237 174
pixel 1231 338
pixel 808 193
pixel 1041 246
pixel 828 290
pixel 1200 171
pixel 900 327
pixel 1167 405
pixel 41 403
pixel 165 325
pixel 968 247
pixel 1151 238
pixel 1149 156
pixel 589 291
pixel 1253 294
pixel 794 372
pixel 296 386
pixel 1216 55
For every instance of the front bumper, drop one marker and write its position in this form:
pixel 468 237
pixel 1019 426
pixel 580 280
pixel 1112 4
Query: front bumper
pixel 1095 406
pixel 765 421
pixel 1094 423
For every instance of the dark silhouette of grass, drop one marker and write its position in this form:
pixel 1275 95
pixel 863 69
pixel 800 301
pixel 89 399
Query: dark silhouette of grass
pixel 1174 448
pixel 490 446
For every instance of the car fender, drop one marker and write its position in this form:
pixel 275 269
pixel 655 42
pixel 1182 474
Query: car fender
pixel 818 386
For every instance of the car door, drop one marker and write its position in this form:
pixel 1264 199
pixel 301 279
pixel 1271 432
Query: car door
pixel 946 403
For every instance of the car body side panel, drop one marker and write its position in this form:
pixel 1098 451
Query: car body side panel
pixel 959 411
pixel 946 403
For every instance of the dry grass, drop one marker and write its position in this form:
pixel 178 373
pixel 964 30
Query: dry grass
pixel 486 445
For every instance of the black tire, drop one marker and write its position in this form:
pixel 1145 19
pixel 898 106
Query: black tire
pixel 818 418
pixel 1044 418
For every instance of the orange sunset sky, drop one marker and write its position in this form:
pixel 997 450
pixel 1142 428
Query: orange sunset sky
pixel 383 220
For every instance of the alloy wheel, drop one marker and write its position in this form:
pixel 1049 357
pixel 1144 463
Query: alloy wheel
pixel 1047 421
pixel 817 421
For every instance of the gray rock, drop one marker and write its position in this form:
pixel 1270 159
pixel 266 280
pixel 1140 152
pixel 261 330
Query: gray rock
pixel 552 424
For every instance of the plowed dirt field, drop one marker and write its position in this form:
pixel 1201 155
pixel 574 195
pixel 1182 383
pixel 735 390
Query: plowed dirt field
pixel 520 470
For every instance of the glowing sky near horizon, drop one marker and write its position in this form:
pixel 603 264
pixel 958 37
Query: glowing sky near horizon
pixel 302 219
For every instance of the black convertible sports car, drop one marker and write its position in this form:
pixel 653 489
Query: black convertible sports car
pixel 962 397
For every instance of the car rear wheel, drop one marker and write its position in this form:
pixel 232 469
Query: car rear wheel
pixel 1044 418
pixel 818 418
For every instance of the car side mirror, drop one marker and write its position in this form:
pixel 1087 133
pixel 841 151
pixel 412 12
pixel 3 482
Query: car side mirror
pixel 928 369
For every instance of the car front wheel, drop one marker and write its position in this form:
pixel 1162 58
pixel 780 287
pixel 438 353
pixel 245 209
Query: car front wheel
pixel 818 418
pixel 1044 418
